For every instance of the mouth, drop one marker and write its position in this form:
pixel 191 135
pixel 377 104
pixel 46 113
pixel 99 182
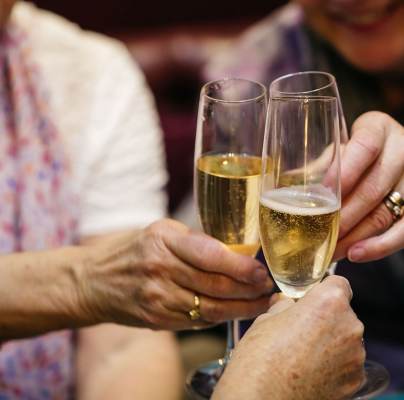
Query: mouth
pixel 364 20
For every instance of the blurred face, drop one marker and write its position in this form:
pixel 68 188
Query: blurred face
pixel 5 10
pixel 368 33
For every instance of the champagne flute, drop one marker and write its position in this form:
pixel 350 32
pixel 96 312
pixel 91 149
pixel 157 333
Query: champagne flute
pixel 301 196
pixel 315 83
pixel 230 133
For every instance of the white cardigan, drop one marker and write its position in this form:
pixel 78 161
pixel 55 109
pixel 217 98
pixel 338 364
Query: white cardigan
pixel 106 116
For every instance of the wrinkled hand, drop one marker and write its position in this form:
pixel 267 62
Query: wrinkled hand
pixel 302 351
pixel 372 166
pixel 149 278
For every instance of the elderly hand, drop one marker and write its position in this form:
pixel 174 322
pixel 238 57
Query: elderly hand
pixel 302 351
pixel 150 277
pixel 372 167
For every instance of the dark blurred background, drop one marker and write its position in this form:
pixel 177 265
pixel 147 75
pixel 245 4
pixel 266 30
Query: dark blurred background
pixel 171 41
pixel 107 15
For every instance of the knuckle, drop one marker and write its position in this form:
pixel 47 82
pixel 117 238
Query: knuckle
pixel 223 286
pixel 373 122
pixel 340 282
pixel 150 320
pixel 152 294
pixel 367 143
pixel 214 285
pixel 213 249
pixel 358 329
pixel 152 267
pixel 370 191
pixel 160 227
pixel 334 300
pixel 155 227
pixel 206 249
pixel 380 219
pixel 378 117
pixel 214 312
pixel 154 231
pixel 211 254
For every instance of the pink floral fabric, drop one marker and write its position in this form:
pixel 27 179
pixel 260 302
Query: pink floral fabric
pixel 38 211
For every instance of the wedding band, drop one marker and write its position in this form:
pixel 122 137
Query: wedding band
pixel 395 204
pixel 195 313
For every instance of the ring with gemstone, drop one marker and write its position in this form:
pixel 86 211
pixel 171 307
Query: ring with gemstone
pixel 195 313
pixel 395 204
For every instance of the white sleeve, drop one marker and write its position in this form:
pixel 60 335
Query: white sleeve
pixel 123 186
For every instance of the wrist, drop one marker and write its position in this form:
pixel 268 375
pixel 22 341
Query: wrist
pixel 84 276
pixel 61 276
pixel 79 306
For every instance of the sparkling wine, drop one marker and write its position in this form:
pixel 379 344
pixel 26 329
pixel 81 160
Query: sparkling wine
pixel 299 231
pixel 227 188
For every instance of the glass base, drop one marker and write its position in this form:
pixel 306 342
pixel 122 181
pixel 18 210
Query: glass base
pixel 376 381
pixel 201 382
pixel 294 292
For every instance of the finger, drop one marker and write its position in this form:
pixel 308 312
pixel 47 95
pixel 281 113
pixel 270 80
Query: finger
pixel 316 167
pixel 179 305
pixel 350 380
pixel 333 285
pixel 179 321
pixel 368 137
pixel 225 310
pixel 169 309
pixel 279 303
pixel 374 224
pixel 380 246
pixel 217 285
pixel 331 177
pixel 214 310
pixel 210 255
pixel 374 187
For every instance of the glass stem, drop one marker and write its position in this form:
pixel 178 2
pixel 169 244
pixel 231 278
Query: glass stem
pixel 233 337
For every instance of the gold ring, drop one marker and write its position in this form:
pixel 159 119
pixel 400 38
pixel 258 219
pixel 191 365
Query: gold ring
pixel 195 313
pixel 395 204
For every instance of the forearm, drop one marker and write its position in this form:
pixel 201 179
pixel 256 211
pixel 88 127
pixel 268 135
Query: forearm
pixel 127 363
pixel 39 292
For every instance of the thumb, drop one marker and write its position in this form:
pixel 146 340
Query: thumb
pixel 278 303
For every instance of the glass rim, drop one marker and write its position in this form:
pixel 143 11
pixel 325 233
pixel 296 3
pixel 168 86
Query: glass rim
pixel 248 100
pixel 283 77
pixel 331 99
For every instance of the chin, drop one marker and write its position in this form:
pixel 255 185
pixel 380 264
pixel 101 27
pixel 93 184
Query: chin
pixel 375 62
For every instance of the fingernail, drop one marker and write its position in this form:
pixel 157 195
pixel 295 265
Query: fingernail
pixel 260 275
pixel 356 254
